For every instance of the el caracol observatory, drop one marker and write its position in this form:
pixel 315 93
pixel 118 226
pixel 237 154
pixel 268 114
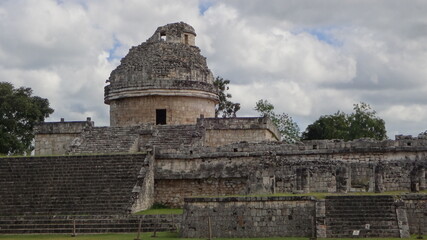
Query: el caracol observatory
pixel 159 149
pixel 165 80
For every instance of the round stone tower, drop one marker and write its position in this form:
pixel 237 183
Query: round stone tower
pixel 165 80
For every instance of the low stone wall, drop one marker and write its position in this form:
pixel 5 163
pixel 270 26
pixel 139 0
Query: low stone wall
pixel 248 217
pixel 336 216
pixel 223 131
pixel 416 210
pixel 84 224
pixel 54 138
pixel 172 192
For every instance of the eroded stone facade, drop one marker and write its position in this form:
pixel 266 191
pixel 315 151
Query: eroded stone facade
pixel 312 166
pixel 56 137
pixel 179 110
pixel 165 80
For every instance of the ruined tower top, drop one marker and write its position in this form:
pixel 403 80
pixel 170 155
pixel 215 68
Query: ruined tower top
pixel 167 60
pixel 168 64
pixel 175 33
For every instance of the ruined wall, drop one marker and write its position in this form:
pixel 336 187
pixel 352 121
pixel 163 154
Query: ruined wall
pixel 175 33
pixel 248 217
pixel 416 210
pixel 171 192
pixel 143 191
pixel 321 166
pixel 54 138
pixel 220 137
pixel 179 110
pixel 336 216
pixel 137 138
pixel 222 131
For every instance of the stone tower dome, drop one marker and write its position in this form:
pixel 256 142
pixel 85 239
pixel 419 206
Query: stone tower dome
pixel 165 80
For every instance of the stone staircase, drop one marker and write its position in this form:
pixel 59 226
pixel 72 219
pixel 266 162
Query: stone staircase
pixel 175 136
pixel 107 140
pixel 97 184
pixel 372 216
pixel 88 224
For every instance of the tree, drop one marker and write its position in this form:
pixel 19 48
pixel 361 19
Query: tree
pixel 225 107
pixel 365 124
pixel 362 123
pixel 334 126
pixel 285 124
pixel 19 113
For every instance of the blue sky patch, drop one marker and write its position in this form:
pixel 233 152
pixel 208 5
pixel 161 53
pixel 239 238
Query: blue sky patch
pixel 204 5
pixel 112 52
pixel 322 34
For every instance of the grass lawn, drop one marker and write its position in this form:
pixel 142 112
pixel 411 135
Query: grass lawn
pixel 145 236
pixel 161 211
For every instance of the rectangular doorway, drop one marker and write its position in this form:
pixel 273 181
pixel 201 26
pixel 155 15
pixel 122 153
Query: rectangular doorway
pixel 160 116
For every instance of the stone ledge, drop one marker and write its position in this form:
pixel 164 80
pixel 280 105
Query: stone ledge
pixel 250 199
pixel 414 197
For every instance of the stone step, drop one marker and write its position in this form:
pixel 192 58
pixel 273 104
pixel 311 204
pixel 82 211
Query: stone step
pixel 360 222
pixel 87 223
pixel 362 212
pixel 68 185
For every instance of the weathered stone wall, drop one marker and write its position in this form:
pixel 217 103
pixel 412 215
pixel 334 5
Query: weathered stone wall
pixel 54 138
pixel 143 191
pixel 223 131
pixel 174 32
pixel 248 217
pixel 172 137
pixel 85 224
pixel 334 217
pixel 416 210
pixel 171 192
pixel 53 144
pixel 162 60
pixel 277 167
pixel 179 110
pixel 220 137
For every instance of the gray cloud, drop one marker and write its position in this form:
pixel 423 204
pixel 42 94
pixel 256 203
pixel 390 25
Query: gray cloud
pixel 308 58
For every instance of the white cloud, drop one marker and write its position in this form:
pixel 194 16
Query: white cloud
pixel 307 58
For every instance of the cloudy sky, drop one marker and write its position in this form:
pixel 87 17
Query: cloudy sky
pixel 308 58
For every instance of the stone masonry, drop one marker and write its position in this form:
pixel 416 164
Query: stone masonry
pixel 165 73
pixel 274 167
pixel 295 216
pixel 56 137
pixel 131 139
pixel 241 217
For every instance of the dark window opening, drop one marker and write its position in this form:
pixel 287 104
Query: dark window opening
pixel 186 39
pixel 160 116
pixel 163 36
